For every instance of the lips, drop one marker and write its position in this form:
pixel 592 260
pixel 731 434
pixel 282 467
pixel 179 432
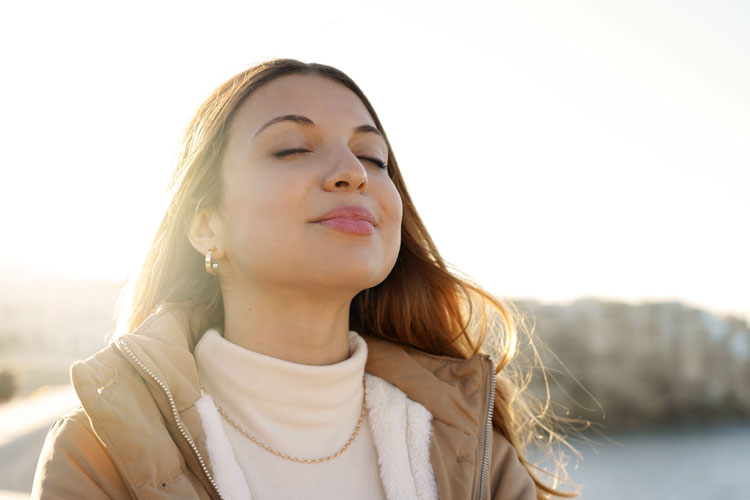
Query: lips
pixel 349 219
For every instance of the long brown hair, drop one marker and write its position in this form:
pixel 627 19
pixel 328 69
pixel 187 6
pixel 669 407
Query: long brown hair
pixel 421 303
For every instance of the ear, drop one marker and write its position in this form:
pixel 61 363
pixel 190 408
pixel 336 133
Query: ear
pixel 203 234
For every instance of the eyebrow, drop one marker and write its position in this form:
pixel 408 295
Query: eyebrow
pixel 302 120
pixel 305 121
pixel 368 129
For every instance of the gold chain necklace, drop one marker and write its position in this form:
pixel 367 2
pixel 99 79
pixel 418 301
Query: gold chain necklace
pixel 283 455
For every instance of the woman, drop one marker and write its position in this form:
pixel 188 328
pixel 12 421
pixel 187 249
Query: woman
pixel 294 332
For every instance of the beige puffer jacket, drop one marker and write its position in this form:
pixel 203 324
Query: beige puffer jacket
pixel 139 435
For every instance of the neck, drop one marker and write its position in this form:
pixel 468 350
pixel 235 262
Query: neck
pixel 293 326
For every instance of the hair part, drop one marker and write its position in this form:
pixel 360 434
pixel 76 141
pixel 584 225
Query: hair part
pixel 421 303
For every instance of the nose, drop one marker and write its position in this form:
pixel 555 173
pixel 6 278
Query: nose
pixel 347 173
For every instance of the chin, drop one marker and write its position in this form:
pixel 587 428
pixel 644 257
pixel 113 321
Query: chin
pixel 353 268
pixel 347 274
pixel 356 280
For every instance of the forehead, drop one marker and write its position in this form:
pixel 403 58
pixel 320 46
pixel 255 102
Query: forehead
pixel 323 100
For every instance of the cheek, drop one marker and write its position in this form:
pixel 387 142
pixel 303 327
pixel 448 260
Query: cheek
pixel 263 215
pixel 393 211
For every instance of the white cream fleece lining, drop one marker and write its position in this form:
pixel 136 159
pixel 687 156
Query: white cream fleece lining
pixel 401 431
pixel 230 480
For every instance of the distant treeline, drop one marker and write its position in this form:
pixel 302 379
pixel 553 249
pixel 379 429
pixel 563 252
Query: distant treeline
pixel 649 364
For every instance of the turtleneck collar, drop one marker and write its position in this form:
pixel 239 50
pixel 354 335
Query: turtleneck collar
pixel 304 410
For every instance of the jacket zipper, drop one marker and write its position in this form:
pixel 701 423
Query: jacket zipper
pixel 487 434
pixel 175 415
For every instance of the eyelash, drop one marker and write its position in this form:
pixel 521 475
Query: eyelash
pixel 380 163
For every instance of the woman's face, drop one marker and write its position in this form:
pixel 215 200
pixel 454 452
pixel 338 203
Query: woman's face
pixel 306 203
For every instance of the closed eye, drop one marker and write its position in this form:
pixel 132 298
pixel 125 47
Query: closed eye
pixel 380 163
pixel 287 152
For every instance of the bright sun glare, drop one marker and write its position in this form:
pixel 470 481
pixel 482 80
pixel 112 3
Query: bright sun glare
pixel 599 149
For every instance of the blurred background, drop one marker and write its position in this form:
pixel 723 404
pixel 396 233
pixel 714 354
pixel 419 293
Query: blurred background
pixel 589 160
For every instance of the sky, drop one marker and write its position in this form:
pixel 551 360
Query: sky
pixel 555 149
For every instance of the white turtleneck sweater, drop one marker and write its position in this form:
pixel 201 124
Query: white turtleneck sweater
pixel 301 410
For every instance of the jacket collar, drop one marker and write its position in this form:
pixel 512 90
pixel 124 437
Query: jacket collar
pixel 164 343
pixel 452 389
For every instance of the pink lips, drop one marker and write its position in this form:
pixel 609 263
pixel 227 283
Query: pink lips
pixel 349 219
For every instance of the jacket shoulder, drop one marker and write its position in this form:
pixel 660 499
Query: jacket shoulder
pixel 75 464
pixel 509 479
